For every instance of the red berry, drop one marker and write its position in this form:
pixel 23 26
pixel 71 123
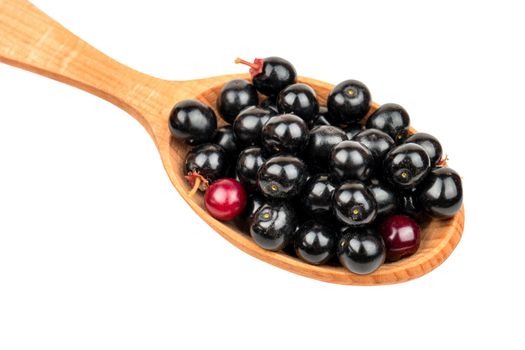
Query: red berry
pixel 225 199
pixel 401 235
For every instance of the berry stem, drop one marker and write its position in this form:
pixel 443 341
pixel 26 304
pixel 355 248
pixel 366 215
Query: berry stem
pixel 249 64
pixel 255 68
pixel 443 161
pixel 197 182
pixel 196 186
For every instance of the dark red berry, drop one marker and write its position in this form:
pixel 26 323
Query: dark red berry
pixel 401 235
pixel 225 199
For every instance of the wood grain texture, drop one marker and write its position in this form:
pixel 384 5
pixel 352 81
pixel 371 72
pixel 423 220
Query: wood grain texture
pixel 31 40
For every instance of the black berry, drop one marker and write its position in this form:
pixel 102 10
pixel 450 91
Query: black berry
pixel 192 122
pixel 349 101
pixel 270 104
pixel 406 166
pixel 298 99
pixel 385 198
pixel 316 197
pixel 235 96
pixel 390 118
pixel 270 75
pixel 282 176
pixel 285 133
pixel 248 125
pixel 430 144
pixel 315 243
pixel 253 203
pixel 319 149
pixel 248 164
pixel 225 138
pixel 361 251
pixel 441 195
pixel 351 160
pixel 354 205
pixel 352 130
pixel 408 203
pixel 207 160
pixel 323 117
pixel 378 142
pixel 273 226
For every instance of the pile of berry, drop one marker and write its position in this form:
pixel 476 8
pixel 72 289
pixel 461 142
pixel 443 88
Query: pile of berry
pixel 315 181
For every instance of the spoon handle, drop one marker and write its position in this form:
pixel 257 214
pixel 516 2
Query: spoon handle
pixel 31 40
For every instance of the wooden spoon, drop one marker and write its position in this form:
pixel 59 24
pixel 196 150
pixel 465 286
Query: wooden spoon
pixel 31 40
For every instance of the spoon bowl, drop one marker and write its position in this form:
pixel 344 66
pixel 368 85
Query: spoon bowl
pixel 31 40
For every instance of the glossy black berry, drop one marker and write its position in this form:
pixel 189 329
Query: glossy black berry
pixel 390 118
pixel 248 164
pixel 282 176
pixel 235 96
pixel 362 251
pixel 408 203
pixel 352 130
pixel 441 195
pixel 319 149
pixel 270 75
pixel 323 117
pixel 273 226
pixel 353 204
pixel 208 160
pixel 315 243
pixel 430 144
pixel 316 197
pixel 253 203
pixel 248 125
pixel 285 133
pixel 270 104
pixel 225 138
pixel 385 198
pixel 406 165
pixel 378 142
pixel 192 122
pixel 351 160
pixel 298 99
pixel 349 101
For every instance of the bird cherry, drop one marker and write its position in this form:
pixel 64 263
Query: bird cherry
pixel 401 235
pixel 271 74
pixel 225 199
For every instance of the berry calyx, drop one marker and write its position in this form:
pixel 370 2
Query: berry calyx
pixel 197 182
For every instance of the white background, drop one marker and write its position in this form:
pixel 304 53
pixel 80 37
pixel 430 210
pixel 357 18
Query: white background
pixel 97 250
